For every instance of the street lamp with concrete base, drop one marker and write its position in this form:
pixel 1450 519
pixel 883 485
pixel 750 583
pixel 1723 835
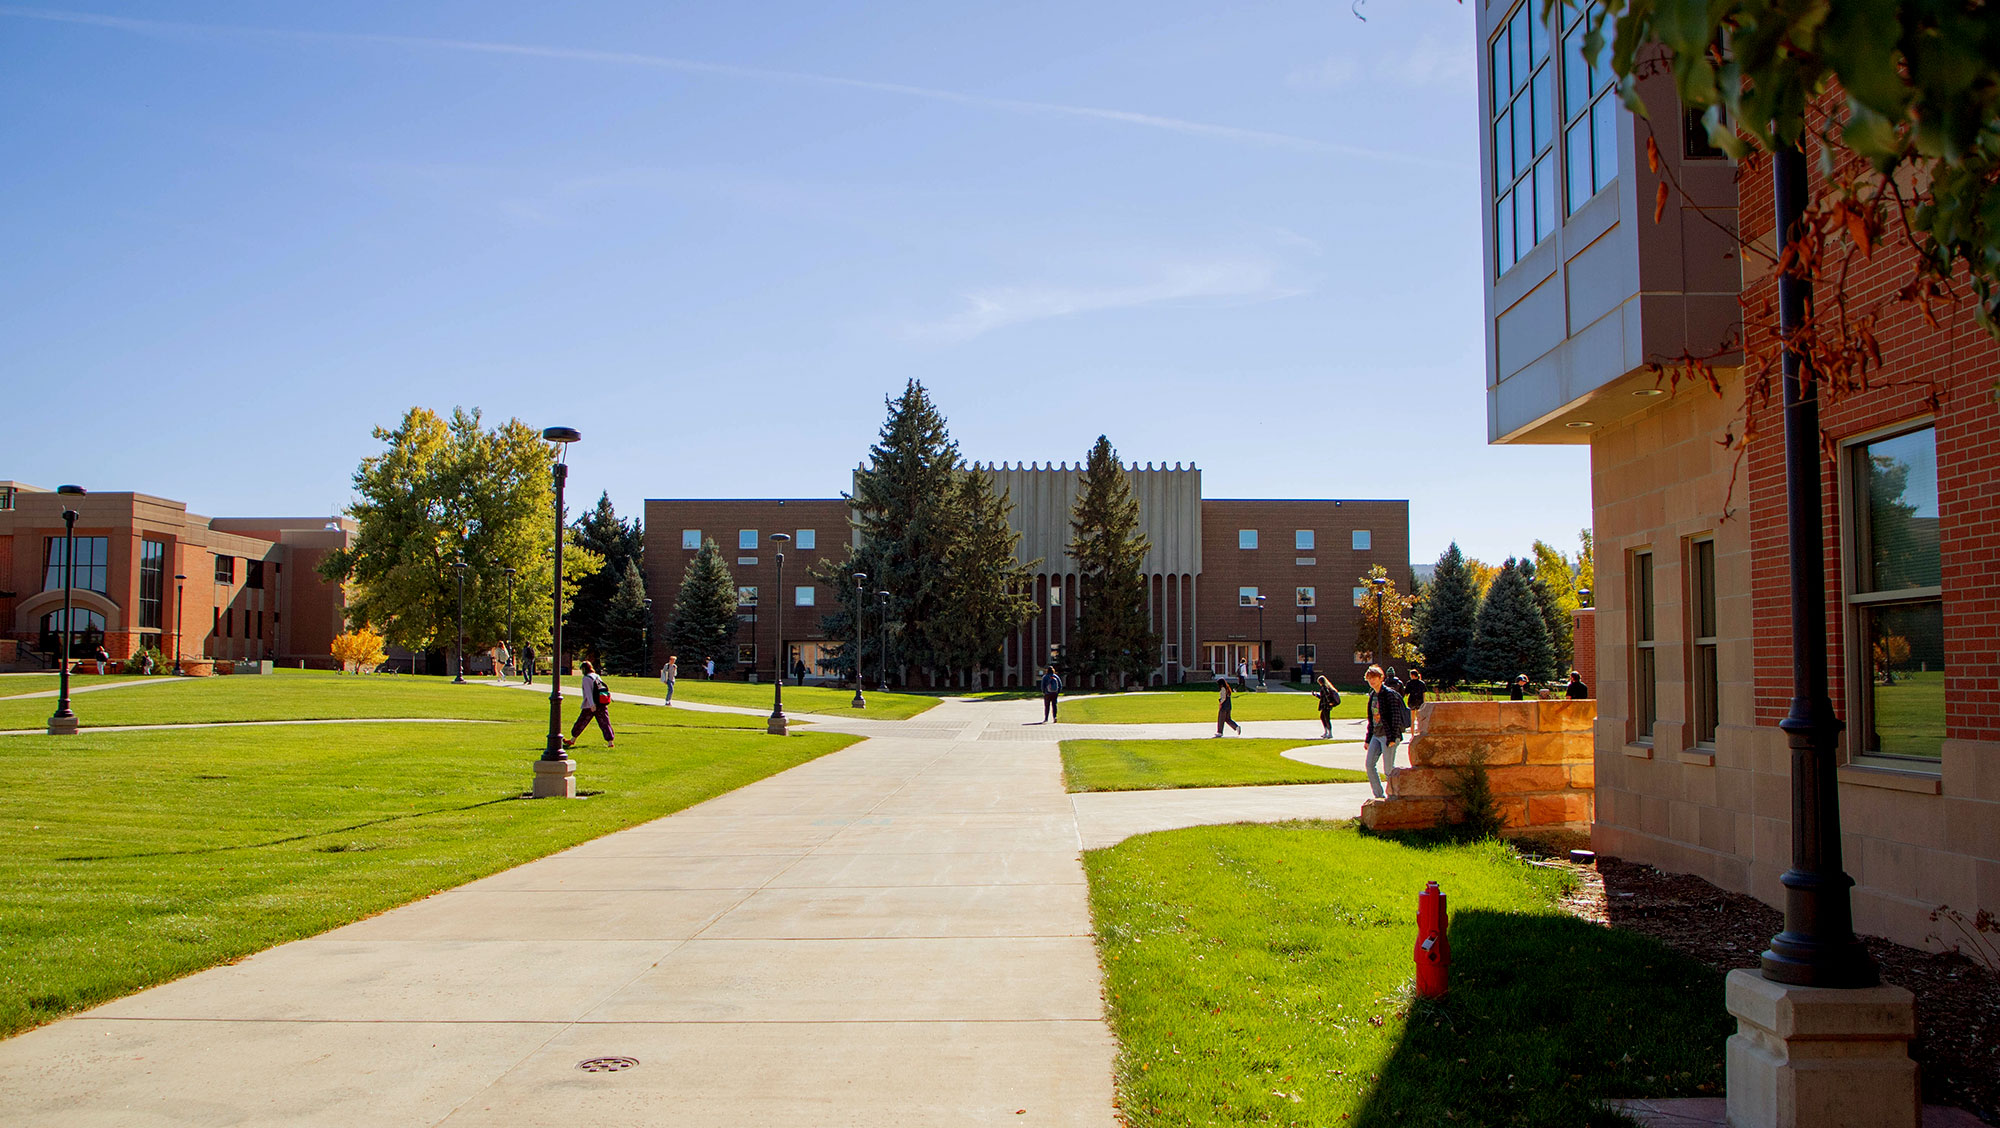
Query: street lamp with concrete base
pixel 63 722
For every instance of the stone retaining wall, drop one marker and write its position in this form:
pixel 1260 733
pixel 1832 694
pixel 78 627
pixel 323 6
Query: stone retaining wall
pixel 1539 759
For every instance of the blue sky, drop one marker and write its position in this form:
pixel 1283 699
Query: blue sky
pixel 234 237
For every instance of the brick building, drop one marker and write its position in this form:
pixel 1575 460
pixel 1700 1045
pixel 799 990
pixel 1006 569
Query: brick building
pixel 251 590
pixel 1692 635
pixel 1210 559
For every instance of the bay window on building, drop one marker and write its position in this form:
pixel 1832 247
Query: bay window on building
pixel 1895 601
pixel 1524 111
pixel 1590 108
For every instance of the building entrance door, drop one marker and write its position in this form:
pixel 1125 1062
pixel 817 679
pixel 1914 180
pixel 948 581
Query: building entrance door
pixel 1223 657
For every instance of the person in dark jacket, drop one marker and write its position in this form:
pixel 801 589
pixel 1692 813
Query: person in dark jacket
pixel 1329 697
pixel 1051 690
pixel 1224 701
pixel 1387 718
pixel 1519 689
pixel 1413 696
pixel 1576 690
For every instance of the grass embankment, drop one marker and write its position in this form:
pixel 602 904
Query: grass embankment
pixel 1262 974
pixel 14 685
pixel 1165 706
pixel 798 698
pixel 128 859
pixel 1141 765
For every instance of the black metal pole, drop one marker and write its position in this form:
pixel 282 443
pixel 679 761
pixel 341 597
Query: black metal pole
pixel 860 578
pixel 882 682
pixel 1262 658
pixel 458 676
pixel 1817 947
pixel 63 712
pixel 180 615
pixel 512 656
pixel 554 751
pixel 776 726
pixel 1381 627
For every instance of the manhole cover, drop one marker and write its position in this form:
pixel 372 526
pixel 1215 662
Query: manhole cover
pixel 607 1064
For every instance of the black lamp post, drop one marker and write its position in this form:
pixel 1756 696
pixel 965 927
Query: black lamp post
pixel 63 722
pixel 511 656
pixel 646 638
pixel 458 675
pixel 1381 621
pixel 776 727
pixel 882 683
pixel 1305 613
pixel 1817 947
pixel 180 615
pixel 1262 658
pixel 859 701
pixel 553 753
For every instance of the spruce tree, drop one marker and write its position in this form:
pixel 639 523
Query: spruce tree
pixel 1510 636
pixel 1113 635
pixel 586 626
pixel 1450 611
pixel 704 619
pixel 623 648
pixel 994 589
pixel 1554 616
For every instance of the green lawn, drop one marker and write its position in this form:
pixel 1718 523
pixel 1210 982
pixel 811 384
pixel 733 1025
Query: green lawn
pixel 1161 706
pixel 1909 715
pixel 1262 974
pixel 13 685
pixel 798 699
pixel 296 696
pixel 1141 765
pixel 135 858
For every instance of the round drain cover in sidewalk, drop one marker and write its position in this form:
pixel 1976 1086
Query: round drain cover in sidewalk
pixel 607 1064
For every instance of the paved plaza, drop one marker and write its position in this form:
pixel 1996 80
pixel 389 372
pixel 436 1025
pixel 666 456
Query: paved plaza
pixel 897 933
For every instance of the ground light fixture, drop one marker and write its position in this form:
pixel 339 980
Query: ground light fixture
pixel 458 675
pixel 859 701
pixel 555 773
pixel 63 721
pixel 776 726
pixel 882 682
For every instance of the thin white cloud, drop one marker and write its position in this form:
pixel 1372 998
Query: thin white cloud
pixel 177 29
pixel 1230 281
pixel 1430 61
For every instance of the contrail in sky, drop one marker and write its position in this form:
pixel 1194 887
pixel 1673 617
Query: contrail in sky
pixel 165 28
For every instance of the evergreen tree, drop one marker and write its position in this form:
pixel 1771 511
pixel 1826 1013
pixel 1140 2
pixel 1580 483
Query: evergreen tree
pixel 704 619
pixel 1554 615
pixel 994 590
pixel 623 645
pixel 1510 636
pixel 586 627
pixel 1113 635
pixel 1450 611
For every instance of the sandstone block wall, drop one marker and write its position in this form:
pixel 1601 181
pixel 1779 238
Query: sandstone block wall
pixel 1539 759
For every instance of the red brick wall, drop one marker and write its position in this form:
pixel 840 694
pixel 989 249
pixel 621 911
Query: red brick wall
pixel 1583 622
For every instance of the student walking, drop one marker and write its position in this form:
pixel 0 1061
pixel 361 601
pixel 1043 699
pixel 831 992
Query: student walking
pixel 104 658
pixel 1387 718
pixel 671 673
pixel 1329 698
pixel 1576 690
pixel 1051 688
pixel 527 665
pixel 596 703
pixel 708 668
pixel 1413 696
pixel 1224 698
pixel 799 670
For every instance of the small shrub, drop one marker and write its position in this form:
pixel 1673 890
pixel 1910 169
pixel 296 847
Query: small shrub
pixel 1479 817
pixel 1971 939
pixel 360 651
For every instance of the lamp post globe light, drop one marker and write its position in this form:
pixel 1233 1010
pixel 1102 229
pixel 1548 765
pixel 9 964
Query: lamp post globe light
pixel 1381 624
pixel 458 674
pixel 882 682
pixel 555 772
pixel 1583 597
pixel 859 701
pixel 180 614
pixel 776 727
pixel 63 721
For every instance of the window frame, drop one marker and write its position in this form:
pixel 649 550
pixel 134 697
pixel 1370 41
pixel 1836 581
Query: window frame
pixel 1302 540
pixel 1246 596
pixel 1857 605
pixel 1507 102
pixel 152 583
pixel 806 538
pixel 225 569
pixel 690 535
pixel 1246 539
pixel 1362 540
pixel 1644 623
pixel 1703 631
pixel 1597 114
pixel 93 568
pixel 1305 595
pixel 804 595
pixel 746 540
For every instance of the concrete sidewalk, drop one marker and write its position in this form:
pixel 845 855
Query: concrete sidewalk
pixel 897 933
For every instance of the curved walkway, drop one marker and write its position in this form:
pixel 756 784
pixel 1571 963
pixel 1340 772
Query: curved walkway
pixel 259 724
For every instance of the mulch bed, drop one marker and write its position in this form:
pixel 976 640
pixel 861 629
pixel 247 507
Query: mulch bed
pixel 1958 999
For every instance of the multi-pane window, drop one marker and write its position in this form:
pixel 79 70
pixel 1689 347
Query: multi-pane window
pixel 225 569
pixel 746 654
pixel 1590 110
pixel 1645 666
pixel 808 538
pixel 1246 597
pixel 1897 603
pixel 1302 540
pixel 152 582
pixel 1363 541
pixel 93 555
pixel 1305 596
pixel 690 539
pixel 746 538
pixel 746 597
pixel 802 596
pixel 1524 114
pixel 1308 654
pixel 1246 538
pixel 1706 681
pixel 1173 652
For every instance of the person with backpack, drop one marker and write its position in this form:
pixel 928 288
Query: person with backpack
pixel 596 703
pixel 1329 699
pixel 1051 688
pixel 1413 696
pixel 671 673
pixel 1225 697
pixel 1387 718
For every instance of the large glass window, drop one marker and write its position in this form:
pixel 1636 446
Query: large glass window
pixel 152 582
pixel 1706 681
pixel 1897 602
pixel 1645 665
pixel 93 555
pixel 1590 109
pixel 1524 114
pixel 84 640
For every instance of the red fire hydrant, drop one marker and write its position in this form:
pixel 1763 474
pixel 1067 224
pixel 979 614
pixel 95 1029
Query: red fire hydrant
pixel 1433 950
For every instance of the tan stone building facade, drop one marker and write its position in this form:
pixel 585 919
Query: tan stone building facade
pixel 148 573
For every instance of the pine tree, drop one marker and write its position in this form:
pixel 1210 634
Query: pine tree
pixel 1450 611
pixel 586 628
pixel 1554 616
pixel 704 621
pixel 624 626
pixel 994 590
pixel 1113 635
pixel 1510 636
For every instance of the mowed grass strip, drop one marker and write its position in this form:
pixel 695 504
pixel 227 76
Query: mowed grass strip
pixel 1263 974
pixel 129 859
pixel 1169 706
pixel 14 685
pixel 1143 765
pixel 798 698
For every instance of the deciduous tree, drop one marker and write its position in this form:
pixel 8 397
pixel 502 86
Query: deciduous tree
pixel 1395 613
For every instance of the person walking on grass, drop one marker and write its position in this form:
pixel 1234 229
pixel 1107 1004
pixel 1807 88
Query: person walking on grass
pixel 1329 698
pixel 1413 696
pixel 527 665
pixel 671 673
pixel 1051 690
pixel 708 668
pixel 596 703
pixel 1225 697
pixel 1387 718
